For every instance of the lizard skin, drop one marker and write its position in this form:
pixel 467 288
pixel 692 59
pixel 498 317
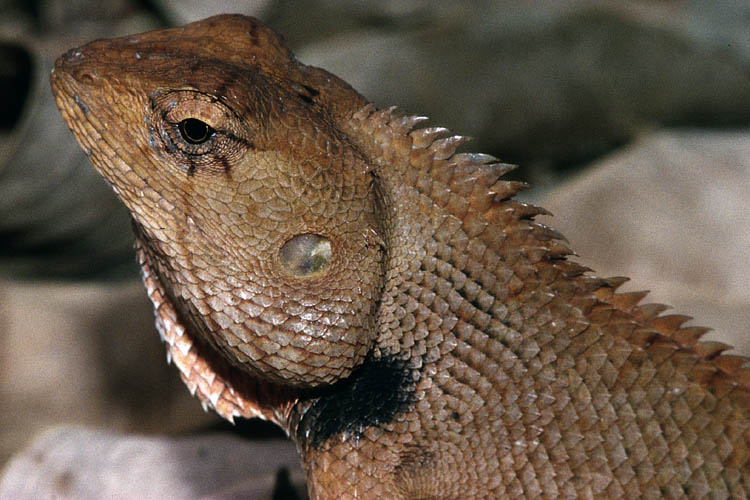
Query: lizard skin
pixel 337 270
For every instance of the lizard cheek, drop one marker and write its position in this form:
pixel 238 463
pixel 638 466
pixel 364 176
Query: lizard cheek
pixel 306 255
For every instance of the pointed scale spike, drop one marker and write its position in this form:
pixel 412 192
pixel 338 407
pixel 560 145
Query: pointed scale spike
pixel 501 169
pixel 730 363
pixel 542 232
pixel 628 300
pixel 670 323
pixel 402 124
pixel 571 269
pixel 423 137
pixel 650 311
pixel 690 335
pixel 473 175
pixel 709 349
pixel 460 159
pixel 615 282
pixel 529 211
pixel 590 283
pixel 382 116
pixel 470 180
pixel 556 249
pixel 508 189
pixel 496 171
pixel 444 148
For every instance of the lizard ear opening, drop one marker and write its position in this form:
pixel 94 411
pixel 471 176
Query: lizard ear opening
pixel 306 255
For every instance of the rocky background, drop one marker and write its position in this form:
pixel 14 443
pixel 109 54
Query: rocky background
pixel 631 118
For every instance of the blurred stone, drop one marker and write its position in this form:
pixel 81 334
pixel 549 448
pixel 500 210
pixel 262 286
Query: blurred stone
pixel 671 212
pixel 88 354
pixel 61 14
pixel 58 218
pixel 187 11
pixel 546 84
pixel 79 464
pixel 15 79
pixel 305 23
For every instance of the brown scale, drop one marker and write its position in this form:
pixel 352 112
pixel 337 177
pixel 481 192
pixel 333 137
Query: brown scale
pixel 325 265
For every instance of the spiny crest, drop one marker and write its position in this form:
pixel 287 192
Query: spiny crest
pixel 469 186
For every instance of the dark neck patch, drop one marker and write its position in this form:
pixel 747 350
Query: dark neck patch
pixel 371 396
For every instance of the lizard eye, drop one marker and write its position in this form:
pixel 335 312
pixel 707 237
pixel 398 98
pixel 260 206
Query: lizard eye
pixel 306 255
pixel 195 131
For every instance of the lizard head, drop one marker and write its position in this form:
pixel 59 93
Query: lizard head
pixel 257 212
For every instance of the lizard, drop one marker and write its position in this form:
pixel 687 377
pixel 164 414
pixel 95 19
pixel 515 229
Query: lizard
pixel 352 276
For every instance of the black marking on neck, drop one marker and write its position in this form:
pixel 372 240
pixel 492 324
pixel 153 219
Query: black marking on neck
pixel 372 396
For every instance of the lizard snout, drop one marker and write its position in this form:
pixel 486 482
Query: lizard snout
pixel 74 64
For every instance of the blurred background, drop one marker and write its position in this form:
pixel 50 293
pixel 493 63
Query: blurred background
pixel 631 118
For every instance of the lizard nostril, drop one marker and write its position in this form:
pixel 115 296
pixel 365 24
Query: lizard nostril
pixel 306 255
pixel 86 78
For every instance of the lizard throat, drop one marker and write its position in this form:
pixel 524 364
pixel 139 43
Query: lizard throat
pixel 216 383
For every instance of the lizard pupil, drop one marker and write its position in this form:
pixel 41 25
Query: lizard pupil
pixel 195 131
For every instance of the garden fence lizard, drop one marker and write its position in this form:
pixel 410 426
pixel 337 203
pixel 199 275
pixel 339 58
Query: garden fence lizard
pixel 345 273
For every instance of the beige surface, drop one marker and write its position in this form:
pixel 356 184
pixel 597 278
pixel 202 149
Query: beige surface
pixel 672 212
pixel 86 354
pixel 79 464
